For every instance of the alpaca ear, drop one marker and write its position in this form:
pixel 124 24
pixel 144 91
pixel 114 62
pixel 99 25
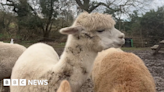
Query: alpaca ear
pixel 71 30
pixel 64 87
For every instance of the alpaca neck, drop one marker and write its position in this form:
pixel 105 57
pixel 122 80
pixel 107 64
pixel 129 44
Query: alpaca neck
pixel 77 59
pixel 77 54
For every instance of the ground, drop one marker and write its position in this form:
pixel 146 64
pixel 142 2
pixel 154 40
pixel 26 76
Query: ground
pixel 155 65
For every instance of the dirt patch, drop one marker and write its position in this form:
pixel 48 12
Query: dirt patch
pixel 155 65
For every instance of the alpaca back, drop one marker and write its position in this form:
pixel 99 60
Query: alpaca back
pixel 9 53
pixel 121 72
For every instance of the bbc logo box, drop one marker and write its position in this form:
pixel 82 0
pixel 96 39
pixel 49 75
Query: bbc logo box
pixel 14 82
pixel 6 82
pixel 22 82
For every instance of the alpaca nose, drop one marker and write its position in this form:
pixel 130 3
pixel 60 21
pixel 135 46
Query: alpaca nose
pixel 122 36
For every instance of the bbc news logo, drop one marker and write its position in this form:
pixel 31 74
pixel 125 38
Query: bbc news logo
pixel 23 82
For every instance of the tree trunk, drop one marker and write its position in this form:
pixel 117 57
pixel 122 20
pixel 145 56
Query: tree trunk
pixel 46 38
pixel 46 35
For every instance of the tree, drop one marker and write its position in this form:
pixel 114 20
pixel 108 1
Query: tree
pixel 28 17
pixel 134 23
pixel 49 13
pixel 87 5
pixel 6 18
pixel 148 27
pixel 34 14
pixel 24 14
pixel 112 5
pixel 152 24
pixel 122 9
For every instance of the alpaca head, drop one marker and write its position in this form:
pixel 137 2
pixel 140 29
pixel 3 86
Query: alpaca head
pixel 96 31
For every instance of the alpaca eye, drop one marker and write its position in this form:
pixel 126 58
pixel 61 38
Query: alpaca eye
pixel 100 31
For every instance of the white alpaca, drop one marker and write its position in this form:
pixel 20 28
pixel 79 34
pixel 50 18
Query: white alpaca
pixel 9 54
pixel 118 71
pixel 89 34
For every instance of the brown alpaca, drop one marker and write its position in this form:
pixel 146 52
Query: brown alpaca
pixel 118 71
pixel 64 87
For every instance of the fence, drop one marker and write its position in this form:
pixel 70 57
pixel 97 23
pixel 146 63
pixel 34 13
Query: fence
pixel 137 41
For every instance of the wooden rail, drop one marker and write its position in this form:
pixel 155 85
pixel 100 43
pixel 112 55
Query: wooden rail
pixel 156 48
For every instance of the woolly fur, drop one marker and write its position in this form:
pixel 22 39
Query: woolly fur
pixel 118 71
pixel 9 54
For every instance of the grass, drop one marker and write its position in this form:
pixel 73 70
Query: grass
pixel 26 44
pixel 1 35
pixel 135 49
pixel 54 45
pixel 62 45
pixel 57 45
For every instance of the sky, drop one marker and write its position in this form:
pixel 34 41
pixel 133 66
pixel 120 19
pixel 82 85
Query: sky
pixel 153 4
pixel 156 3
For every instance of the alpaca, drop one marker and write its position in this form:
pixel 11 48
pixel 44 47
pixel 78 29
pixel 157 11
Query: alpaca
pixel 118 71
pixel 9 54
pixel 89 34
pixel 64 87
